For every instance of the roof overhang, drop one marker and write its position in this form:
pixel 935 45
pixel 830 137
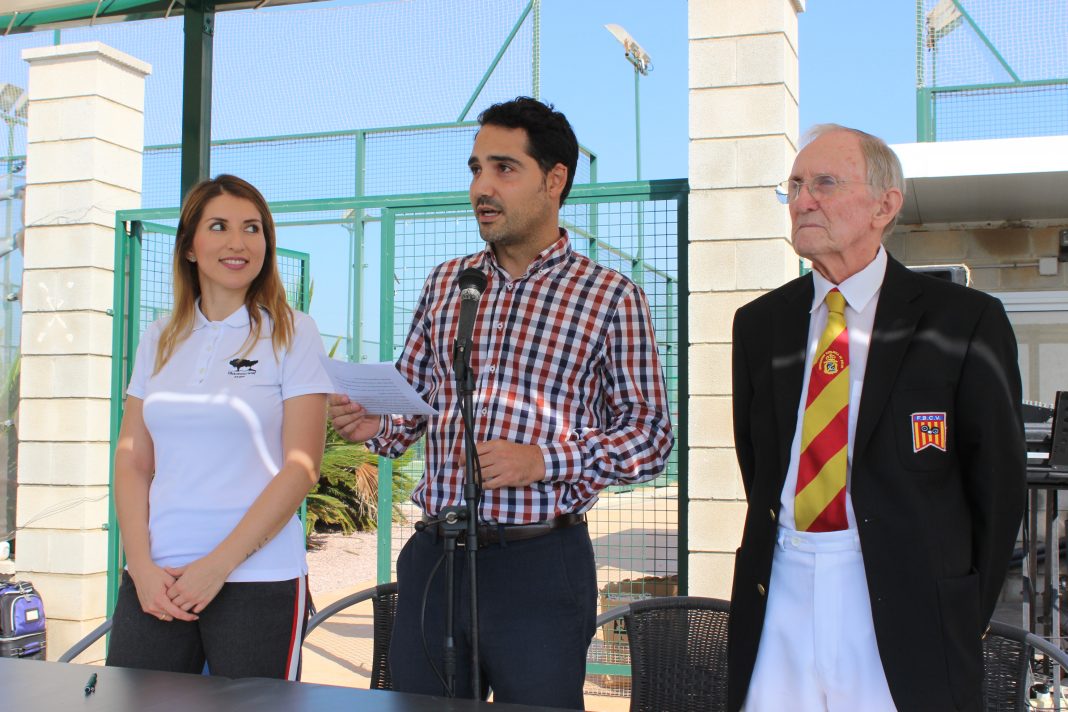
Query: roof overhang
pixel 995 181
pixel 33 15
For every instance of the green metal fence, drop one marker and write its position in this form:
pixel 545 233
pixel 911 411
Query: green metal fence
pixel 338 165
pixel 991 69
pixel 639 230
pixel 636 228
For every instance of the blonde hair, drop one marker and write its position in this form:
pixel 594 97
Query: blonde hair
pixel 883 166
pixel 266 292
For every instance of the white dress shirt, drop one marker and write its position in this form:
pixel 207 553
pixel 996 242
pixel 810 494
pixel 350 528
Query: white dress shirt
pixel 861 292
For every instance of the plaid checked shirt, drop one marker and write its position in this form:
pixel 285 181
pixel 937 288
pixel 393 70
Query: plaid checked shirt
pixel 565 358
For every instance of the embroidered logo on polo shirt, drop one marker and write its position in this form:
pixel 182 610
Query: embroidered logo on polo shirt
pixel 242 363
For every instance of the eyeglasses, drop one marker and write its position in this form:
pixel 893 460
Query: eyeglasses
pixel 819 187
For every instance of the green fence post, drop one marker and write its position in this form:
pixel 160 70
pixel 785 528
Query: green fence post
pixel 535 59
pixel 385 353
pixel 682 440
pixel 924 120
pixel 125 313
pixel 496 61
pixel 356 252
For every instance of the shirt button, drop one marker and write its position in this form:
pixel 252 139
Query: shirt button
pixel 760 589
pixel 500 326
pixel 485 411
pixel 493 369
pixel 508 287
pixel 795 541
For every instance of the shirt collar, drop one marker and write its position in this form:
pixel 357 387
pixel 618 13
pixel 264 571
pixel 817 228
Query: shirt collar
pixel 551 257
pixel 238 319
pixel 858 289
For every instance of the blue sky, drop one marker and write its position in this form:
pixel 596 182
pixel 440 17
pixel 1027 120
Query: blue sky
pixel 857 68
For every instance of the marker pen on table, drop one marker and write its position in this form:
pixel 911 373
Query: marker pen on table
pixel 90 687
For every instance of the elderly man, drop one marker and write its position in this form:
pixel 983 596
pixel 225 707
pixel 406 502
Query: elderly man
pixel 877 426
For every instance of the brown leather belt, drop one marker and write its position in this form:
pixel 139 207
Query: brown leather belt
pixel 495 533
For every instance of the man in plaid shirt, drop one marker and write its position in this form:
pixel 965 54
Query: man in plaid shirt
pixel 569 398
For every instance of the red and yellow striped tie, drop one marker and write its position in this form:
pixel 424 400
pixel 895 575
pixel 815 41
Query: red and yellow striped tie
pixel 819 505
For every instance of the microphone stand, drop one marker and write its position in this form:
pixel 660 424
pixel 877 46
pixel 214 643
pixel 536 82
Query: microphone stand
pixel 457 520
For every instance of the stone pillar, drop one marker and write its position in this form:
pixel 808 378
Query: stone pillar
pixel 743 139
pixel 85 137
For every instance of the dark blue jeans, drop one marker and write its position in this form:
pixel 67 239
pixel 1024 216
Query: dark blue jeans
pixel 537 608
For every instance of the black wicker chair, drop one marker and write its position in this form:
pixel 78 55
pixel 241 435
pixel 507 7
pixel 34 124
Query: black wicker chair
pixel 384 603
pixel 90 638
pixel 383 600
pixel 1008 661
pixel 678 652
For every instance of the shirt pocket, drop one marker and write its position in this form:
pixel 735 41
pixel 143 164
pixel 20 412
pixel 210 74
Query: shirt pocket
pixel 923 421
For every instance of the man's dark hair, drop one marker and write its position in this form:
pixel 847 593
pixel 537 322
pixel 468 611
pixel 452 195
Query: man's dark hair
pixel 550 138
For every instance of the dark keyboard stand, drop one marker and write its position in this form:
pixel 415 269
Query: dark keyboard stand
pixel 1050 476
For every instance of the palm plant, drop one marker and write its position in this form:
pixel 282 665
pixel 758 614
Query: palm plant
pixel 346 497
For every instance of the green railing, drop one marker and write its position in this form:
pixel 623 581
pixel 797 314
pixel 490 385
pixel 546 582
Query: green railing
pixel 637 228
pixel 984 69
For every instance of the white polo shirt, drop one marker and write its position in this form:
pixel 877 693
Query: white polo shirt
pixel 215 418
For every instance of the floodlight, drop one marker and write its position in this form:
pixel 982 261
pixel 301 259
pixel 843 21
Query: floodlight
pixel 634 52
pixel 13 193
pixel 13 100
pixel 941 20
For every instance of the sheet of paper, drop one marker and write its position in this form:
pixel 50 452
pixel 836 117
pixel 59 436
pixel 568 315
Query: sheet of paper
pixel 378 387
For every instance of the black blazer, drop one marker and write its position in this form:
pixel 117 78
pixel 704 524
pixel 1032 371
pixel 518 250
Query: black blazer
pixel 936 528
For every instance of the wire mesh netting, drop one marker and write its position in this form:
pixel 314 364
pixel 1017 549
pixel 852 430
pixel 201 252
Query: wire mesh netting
pixel 370 64
pixel 992 68
pixel 402 161
pixel 634 528
pixel 155 287
pixel 296 168
pixel 367 65
pixel 280 72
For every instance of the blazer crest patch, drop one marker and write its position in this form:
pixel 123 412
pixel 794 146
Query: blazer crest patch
pixel 928 430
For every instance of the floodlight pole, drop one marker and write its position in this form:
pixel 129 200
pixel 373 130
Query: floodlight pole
pixel 639 59
pixel 637 127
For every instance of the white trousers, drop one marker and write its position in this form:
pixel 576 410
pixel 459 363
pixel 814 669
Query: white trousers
pixel 818 651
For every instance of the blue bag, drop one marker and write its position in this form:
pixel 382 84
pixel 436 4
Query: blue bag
pixel 22 621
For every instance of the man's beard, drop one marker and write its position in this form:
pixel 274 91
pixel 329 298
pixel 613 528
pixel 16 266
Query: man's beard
pixel 493 235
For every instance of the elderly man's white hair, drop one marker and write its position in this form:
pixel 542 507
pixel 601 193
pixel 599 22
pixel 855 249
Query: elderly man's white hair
pixel 883 165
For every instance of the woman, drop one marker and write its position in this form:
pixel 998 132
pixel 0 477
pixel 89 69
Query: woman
pixel 221 440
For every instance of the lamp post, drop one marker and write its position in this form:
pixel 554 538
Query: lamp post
pixel 642 66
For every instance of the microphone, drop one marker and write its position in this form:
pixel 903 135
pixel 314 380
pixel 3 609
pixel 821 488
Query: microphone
pixel 472 284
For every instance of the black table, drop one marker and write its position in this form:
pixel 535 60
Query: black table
pixel 37 686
